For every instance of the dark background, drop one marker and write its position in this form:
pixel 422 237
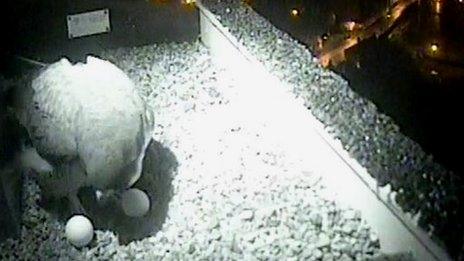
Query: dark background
pixel 36 29
pixel 394 71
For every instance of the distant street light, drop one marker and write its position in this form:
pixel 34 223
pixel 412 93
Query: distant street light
pixel 350 25
pixel 294 12
pixel 438 7
pixel 388 12
pixel 434 47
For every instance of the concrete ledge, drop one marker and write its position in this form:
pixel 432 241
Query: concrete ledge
pixel 343 175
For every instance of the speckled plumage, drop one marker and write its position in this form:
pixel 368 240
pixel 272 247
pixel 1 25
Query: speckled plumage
pixel 89 122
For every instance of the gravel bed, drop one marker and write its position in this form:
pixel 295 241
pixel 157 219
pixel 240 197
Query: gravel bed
pixel 372 138
pixel 233 193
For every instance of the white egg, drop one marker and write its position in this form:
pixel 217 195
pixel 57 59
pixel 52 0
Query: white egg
pixel 79 230
pixel 135 202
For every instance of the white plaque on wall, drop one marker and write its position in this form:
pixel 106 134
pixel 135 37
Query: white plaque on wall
pixel 88 23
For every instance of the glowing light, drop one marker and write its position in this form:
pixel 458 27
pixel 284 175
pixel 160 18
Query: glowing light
pixel 350 25
pixel 325 61
pixel 188 4
pixel 438 7
pixel 434 47
pixel 295 12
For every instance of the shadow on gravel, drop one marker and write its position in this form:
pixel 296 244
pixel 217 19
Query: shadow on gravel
pixel 158 167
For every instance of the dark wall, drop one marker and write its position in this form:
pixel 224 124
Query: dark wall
pixel 37 29
pixel 10 174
